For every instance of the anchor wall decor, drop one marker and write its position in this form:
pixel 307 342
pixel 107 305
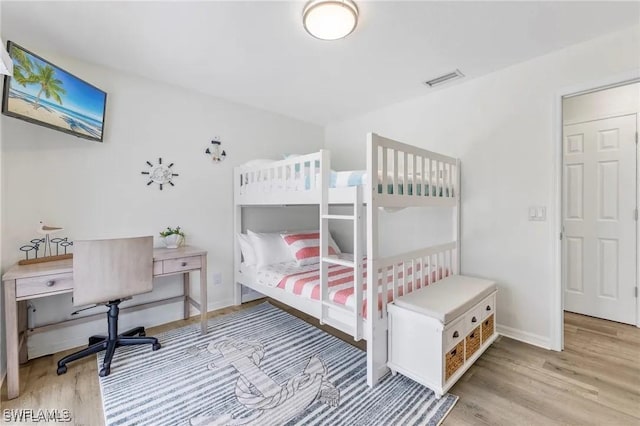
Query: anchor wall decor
pixel 215 151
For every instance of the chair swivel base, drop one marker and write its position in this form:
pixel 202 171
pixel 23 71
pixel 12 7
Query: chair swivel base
pixel 110 343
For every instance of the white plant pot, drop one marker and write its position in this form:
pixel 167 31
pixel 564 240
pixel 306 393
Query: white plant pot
pixel 173 241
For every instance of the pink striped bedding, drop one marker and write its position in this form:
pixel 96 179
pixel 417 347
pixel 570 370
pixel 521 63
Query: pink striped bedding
pixel 304 281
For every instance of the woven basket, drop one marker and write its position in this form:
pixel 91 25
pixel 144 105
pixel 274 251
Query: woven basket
pixel 454 360
pixel 487 328
pixel 472 342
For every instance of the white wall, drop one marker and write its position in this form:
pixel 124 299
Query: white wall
pixel 96 189
pixel 502 128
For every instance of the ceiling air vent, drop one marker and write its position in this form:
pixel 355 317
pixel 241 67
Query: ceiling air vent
pixel 444 78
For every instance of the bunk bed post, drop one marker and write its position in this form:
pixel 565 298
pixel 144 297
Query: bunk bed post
pixel 237 229
pixel 357 259
pixel 376 325
pixel 325 170
pixel 456 217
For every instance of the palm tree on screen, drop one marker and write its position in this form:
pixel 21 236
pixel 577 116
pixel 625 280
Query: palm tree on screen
pixel 50 86
pixel 22 67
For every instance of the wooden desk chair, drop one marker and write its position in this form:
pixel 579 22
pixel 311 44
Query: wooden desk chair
pixel 107 272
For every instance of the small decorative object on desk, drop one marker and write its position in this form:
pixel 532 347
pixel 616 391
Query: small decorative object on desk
pixel 42 246
pixel 173 238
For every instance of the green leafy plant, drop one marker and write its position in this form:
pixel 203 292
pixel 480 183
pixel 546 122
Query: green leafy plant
pixel 172 231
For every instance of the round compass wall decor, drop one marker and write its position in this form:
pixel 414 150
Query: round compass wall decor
pixel 160 174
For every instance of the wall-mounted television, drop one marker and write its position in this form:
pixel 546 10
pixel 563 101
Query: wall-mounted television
pixel 42 93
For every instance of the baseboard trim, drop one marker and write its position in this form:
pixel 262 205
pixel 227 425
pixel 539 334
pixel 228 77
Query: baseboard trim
pixel 221 304
pixel 524 336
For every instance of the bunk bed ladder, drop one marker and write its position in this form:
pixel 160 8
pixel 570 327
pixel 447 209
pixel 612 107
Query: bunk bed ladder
pixel 356 264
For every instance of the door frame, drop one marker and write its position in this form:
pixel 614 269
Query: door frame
pixel 557 303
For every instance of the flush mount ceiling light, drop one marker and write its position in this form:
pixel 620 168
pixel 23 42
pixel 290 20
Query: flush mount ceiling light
pixel 330 19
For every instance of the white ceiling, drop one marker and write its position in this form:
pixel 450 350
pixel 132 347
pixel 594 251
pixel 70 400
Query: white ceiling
pixel 258 53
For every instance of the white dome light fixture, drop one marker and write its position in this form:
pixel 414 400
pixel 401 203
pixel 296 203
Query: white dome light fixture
pixel 330 19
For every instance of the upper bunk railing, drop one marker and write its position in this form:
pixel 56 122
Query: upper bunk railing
pixel 398 175
pixel 401 175
pixel 297 180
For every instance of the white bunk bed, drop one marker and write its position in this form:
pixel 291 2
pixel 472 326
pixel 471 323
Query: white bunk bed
pixel 397 176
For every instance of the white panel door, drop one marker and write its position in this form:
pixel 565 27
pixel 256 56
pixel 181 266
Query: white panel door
pixel 599 202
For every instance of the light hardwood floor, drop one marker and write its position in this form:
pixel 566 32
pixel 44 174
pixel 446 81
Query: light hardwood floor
pixel 595 381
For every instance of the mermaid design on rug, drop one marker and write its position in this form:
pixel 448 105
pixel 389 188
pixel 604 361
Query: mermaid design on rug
pixel 271 403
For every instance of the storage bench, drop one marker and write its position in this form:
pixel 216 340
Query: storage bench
pixel 437 332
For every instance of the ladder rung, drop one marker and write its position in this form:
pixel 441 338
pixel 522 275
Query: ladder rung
pixel 336 306
pixel 338 324
pixel 338 216
pixel 338 261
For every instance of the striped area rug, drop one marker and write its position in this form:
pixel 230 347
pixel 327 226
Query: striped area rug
pixel 259 366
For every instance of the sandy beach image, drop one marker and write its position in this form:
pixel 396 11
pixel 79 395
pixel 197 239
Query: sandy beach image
pixel 47 114
pixel 43 93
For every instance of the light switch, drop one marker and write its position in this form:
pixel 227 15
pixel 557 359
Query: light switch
pixel 538 213
pixel 542 213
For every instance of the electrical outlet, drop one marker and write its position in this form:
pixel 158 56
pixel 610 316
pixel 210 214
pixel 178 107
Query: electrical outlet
pixel 217 278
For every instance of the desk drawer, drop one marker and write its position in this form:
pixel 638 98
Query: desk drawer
pixel 183 264
pixel 34 286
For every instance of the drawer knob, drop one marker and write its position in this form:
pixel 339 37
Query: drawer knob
pixel 183 264
pixel 456 334
pixel 474 319
pixel 488 307
pixel 50 283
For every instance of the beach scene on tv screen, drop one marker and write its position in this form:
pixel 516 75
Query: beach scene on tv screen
pixel 45 93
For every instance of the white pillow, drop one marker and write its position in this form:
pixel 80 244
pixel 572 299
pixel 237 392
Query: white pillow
pixel 248 254
pixel 269 248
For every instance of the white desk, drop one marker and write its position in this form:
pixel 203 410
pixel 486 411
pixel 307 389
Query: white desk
pixel 22 283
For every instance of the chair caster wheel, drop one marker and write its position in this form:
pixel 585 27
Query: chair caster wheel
pixel 105 371
pixel 62 369
pixel 156 346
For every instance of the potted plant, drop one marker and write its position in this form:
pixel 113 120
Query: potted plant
pixel 172 237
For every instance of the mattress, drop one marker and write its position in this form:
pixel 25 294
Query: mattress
pixel 359 177
pixel 304 281
pixel 350 178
